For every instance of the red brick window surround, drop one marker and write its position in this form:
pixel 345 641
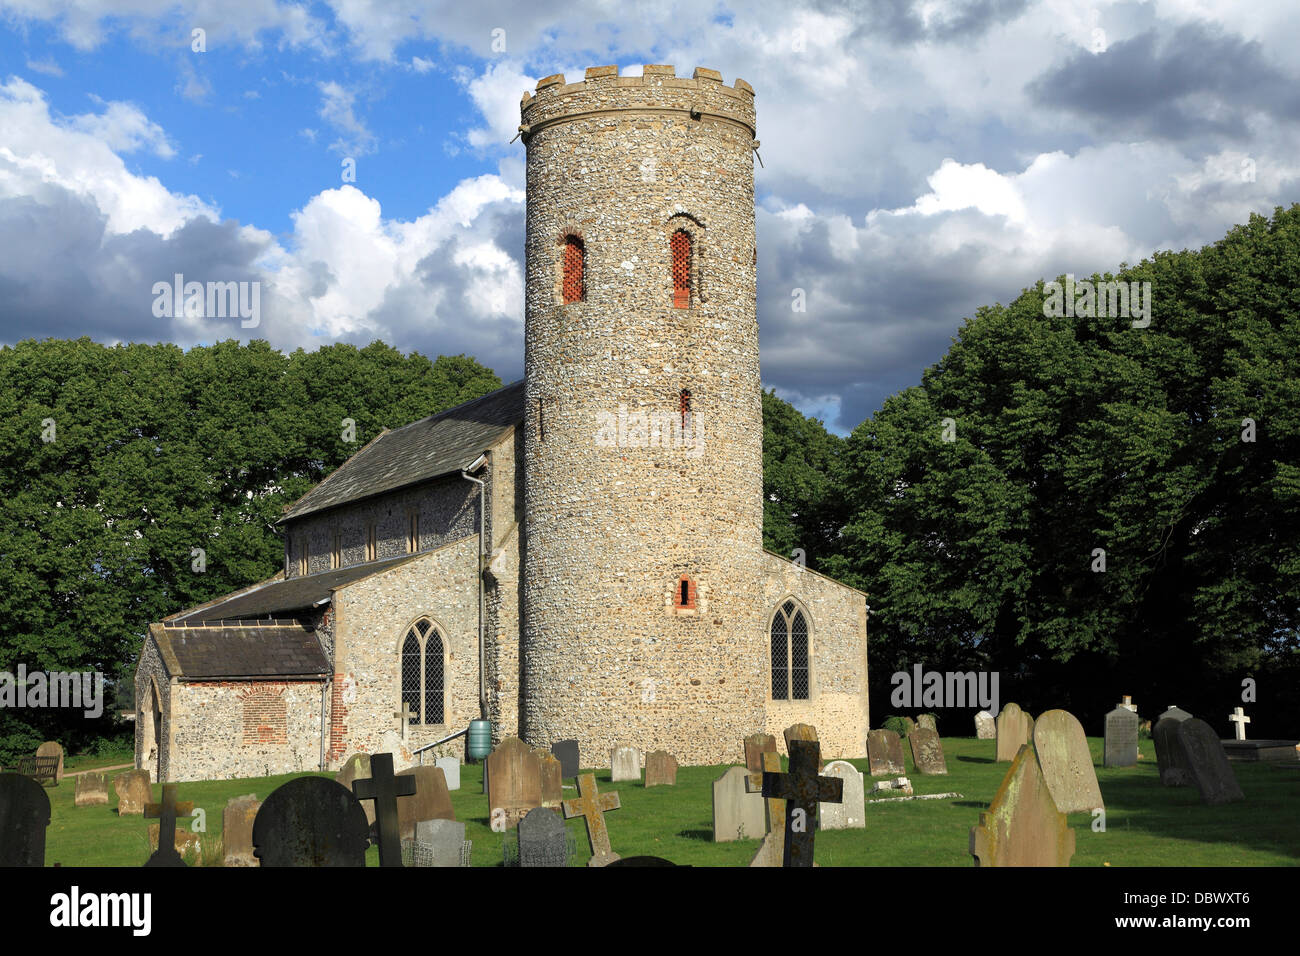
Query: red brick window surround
pixel 574 256
pixel 680 246
pixel 684 595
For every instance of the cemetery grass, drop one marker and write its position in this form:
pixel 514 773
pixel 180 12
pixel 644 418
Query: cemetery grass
pixel 1146 824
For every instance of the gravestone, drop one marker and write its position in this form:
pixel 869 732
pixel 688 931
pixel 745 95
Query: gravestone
pixel 357 767
pixel 311 821
pixel 24 815
pixel 430 801
pixel 1022 826
pixel 566 752
pixel 168 842
pixel 1014 730
pixel 384 787
pixel 1237 717
pixel 1121 749
pixel 660 769
pixel 591 805
pixel 772 850
pixel 986 728
pixel 850 812
pixel 552 779
pixel 737 813
pixel 90 790
pixel 133 792
pixel 543 840
pixel 52 748
pixel 927 751
pixel 884 753
pixel 1207 764
pixel 806 733
pixel 625 764
pixel 450 767
pixel 1066 762
pixel 1127 703
pixel 926 722
pixel 514 780
pixel 909 725
pixel 237 830
pixel 444 840
pixel 755 746
pixel 802 790
pixel 1170 762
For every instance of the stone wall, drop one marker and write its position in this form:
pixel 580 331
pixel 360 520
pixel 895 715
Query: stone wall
pixel 505 495
pixel 150 672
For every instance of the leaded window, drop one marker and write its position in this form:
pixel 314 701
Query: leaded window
pixel 423 679
pixel 791 678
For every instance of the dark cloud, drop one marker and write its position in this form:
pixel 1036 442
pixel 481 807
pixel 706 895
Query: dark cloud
pixel 901 22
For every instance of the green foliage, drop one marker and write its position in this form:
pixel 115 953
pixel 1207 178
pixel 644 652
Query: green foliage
pixel 898 725
pixel 800 507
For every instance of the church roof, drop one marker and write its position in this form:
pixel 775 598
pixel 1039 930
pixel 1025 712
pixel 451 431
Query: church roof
pixel 282 597
pixel 231 650
pixel 441 444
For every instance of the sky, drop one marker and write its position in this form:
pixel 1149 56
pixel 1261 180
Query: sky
pixel 920 160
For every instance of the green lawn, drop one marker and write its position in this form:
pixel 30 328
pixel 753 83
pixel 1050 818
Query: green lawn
pixel 1146 824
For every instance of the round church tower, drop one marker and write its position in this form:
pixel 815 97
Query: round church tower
pixel 643 617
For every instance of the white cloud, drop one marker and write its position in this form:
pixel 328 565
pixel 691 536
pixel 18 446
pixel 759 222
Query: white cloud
pixel 355 138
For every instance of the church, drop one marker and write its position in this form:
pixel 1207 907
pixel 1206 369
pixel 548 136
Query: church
pixel 576 555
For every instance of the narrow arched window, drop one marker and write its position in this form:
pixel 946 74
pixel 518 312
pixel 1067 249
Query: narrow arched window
pixel 574 254
pixel 791 677
pixel 680 245
pixel 411 675
pixel 423 677
pixel 433 678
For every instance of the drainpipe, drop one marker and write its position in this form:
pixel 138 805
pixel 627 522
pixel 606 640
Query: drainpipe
pixel 482 567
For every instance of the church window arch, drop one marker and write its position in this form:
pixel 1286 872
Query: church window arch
pixel 423 671
pixel 791 670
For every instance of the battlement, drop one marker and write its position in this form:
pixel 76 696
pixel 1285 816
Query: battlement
pixel 657 89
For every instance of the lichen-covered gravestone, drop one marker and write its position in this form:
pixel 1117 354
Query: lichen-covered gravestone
pixel 1207 763
pixel 1022 826
pixel 591 805
pixel 625 764
pixel 357 767
pixel 133 792
pixel 804 732
pixel 237 830
pixel 755 746
pixel 1066 762
pixel 884 754
pixel 927 752
pixel 543 840
pixel 1121 749
pixel 431 800
pixel 311 821
pixel 986 728
pixel 772 851
pixel 927 722
pixel 514 781
pixel 24 815
pixel 660 769
pixel 850 812
pixel 52 748
pixel 90 790
pixel 738 814
pixel 552 775
pixel 1013 731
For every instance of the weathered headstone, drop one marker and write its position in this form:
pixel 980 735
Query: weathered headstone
pixel 1170 762
pixel 24 815
pixel 1013 731
pixel 927 751
pixel 986 727
pixel 737 813
pixel 850 812
pixel 1207 764
pixel 660 769
pixel 802 790
pixel 926 722
pixel 90 790
pixel 167 841
pixel 430 801
pixel 1066 762
pixel 552 775
pixel 625 764
pixel 514 780
pixel 357 767
pixel 133 792
pixel 52 748
pixel 566 752
pixel 772 850
pixel 591 805
pixel 1022 826
pixel 444 840
pixel 884 753
pixel 1121 749
pixel 237 830
pixel 311 821
pixel 909 726
pixel 755 746
pixel 450 767
pixel 806 733
pixel 543 840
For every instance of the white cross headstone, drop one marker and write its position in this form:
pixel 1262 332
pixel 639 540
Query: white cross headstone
pixel 1128 702
pixel 404 715
pixel 1239 718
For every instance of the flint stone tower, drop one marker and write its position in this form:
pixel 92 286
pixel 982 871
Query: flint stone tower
pixel 643 607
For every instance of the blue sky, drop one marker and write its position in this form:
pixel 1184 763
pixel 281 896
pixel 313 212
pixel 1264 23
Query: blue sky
pixel 921 159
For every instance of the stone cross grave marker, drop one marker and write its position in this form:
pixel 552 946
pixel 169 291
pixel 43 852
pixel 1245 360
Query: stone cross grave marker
pixel 444 840
pixel 566 752
pixel 1014 731
pixel 986 728
pixel 884 753
pixel 755 746
pixel 1128 703
pixel 1170 762
pixel 552 777
pixel 430 801
pixel 1207 763
pixel 133 792
pixel 543 840
pixel 1066 762
pixel 166 813
pixel 52 748
pixel 802 789
pixel 311 821
pixel 450 767
pixel 514 782
pixel 383 787
pixel 591 806
pixel 1121 748
pixel 927 751
pixel 1022 826
pixel 625 764
pixel 404 717
pixel 24 815
pixel 850 812
pixel 660 769
pixel 1239 718
pixel 90 790
pixel 772 850
pixel 237 830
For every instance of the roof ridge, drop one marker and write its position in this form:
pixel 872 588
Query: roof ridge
pixel 447 411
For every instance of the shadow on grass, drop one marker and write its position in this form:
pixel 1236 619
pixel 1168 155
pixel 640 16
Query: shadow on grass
pixel 979 759
pixel 706 835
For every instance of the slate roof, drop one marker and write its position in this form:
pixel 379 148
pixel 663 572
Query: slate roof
pixel 439 445
pixel 241 651
pixel 284 597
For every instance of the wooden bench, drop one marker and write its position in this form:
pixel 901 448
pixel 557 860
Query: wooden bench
pixel 44 770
